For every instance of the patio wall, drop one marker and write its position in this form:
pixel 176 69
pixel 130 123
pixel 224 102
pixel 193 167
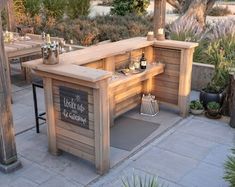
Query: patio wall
pixel 201 75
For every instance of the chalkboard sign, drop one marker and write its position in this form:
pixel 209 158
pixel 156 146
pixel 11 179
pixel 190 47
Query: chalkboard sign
pixel 74 106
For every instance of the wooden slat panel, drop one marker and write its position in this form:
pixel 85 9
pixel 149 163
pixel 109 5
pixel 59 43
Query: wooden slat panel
pixel 167 52
pixel 56 85
pixel 166 84
pixel 76 144
pixel 76 152
pixel 74 128
pixel 122 105
pixel 128 94
pixel 129 107
pixel 74 136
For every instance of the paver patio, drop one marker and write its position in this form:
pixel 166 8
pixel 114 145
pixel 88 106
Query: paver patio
pixel 189 153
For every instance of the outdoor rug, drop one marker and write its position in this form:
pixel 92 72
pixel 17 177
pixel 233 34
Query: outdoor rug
pixel 127 133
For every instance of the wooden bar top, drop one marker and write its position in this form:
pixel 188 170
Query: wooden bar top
pixel 98 52
pixel 175 44
pixel 75 71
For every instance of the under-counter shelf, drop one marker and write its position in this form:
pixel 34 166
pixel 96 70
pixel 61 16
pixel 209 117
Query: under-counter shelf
pixel 151 70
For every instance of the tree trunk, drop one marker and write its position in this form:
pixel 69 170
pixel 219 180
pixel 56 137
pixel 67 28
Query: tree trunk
pixel 8 154
pixel 11 16
pixel 193 9
pixel 232 100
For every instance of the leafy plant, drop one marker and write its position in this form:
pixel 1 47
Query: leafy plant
pixel 124 7
pixel 32 7
pixel 213 105
pixel 196 105
pixel 54 8
pixel 216 55
pixel 230 169
pixel 137 181
pixel 76 8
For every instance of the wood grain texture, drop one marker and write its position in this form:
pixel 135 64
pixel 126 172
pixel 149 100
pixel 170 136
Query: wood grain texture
pixel 186 65
pixel 166 85
pixel 102 131
pixel 8 153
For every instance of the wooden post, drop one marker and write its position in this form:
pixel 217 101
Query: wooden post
pixel 185 81
pixel 102 126
pixel 159 16
pixel 10 16
pixel 232 100
pixel 8 153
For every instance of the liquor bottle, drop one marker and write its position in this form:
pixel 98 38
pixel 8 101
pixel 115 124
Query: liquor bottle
pixel 143 62
pixel 48 39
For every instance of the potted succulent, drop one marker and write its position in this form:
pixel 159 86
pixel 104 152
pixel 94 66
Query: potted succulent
pixel 213 109
pixel 215 89
pixel 196 107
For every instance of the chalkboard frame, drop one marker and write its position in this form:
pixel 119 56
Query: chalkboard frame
pixel 74 106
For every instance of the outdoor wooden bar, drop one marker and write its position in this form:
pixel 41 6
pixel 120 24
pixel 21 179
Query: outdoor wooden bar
pixel 88 79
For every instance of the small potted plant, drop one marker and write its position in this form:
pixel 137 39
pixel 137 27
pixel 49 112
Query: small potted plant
pixel 196 107
pixel 213 110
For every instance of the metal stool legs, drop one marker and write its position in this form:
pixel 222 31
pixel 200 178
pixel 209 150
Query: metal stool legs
pixel 37 114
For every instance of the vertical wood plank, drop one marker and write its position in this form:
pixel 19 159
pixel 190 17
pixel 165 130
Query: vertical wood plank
pixel 109 64
pixel 50 111
pixel 102 131
pixel 149 54
pixel 8 153
pixel 185 81
pixel 111 107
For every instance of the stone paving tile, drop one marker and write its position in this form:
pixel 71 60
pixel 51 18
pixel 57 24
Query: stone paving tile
pixel 211 130
pixel 218 155
pixel 79 170
pixel 22 182
pixel 60 181
pixel 165 164
pixel 187 145
pixel 117 155
pixel 37 174
pixel 204 175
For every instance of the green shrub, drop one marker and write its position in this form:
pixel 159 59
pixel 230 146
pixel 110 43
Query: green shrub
pixel 76 8
pixel 124 7
pixel 32 7
pixel 87 31
pixel 54 8
pixel 230 169
pixel 219 11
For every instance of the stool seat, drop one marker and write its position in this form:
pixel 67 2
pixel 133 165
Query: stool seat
pixel 37 83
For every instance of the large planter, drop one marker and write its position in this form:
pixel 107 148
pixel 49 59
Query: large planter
pixel 206 97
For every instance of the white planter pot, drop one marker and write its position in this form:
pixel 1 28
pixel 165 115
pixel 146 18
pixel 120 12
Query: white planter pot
pixel 196 112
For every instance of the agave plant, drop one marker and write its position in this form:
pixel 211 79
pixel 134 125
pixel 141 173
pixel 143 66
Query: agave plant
pixel 230 169
pixel 138 181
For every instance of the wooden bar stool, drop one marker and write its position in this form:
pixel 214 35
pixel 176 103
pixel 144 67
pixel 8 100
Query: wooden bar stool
pixel 37 84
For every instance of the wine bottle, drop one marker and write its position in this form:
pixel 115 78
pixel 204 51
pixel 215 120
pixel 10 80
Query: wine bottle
pixel 143 62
